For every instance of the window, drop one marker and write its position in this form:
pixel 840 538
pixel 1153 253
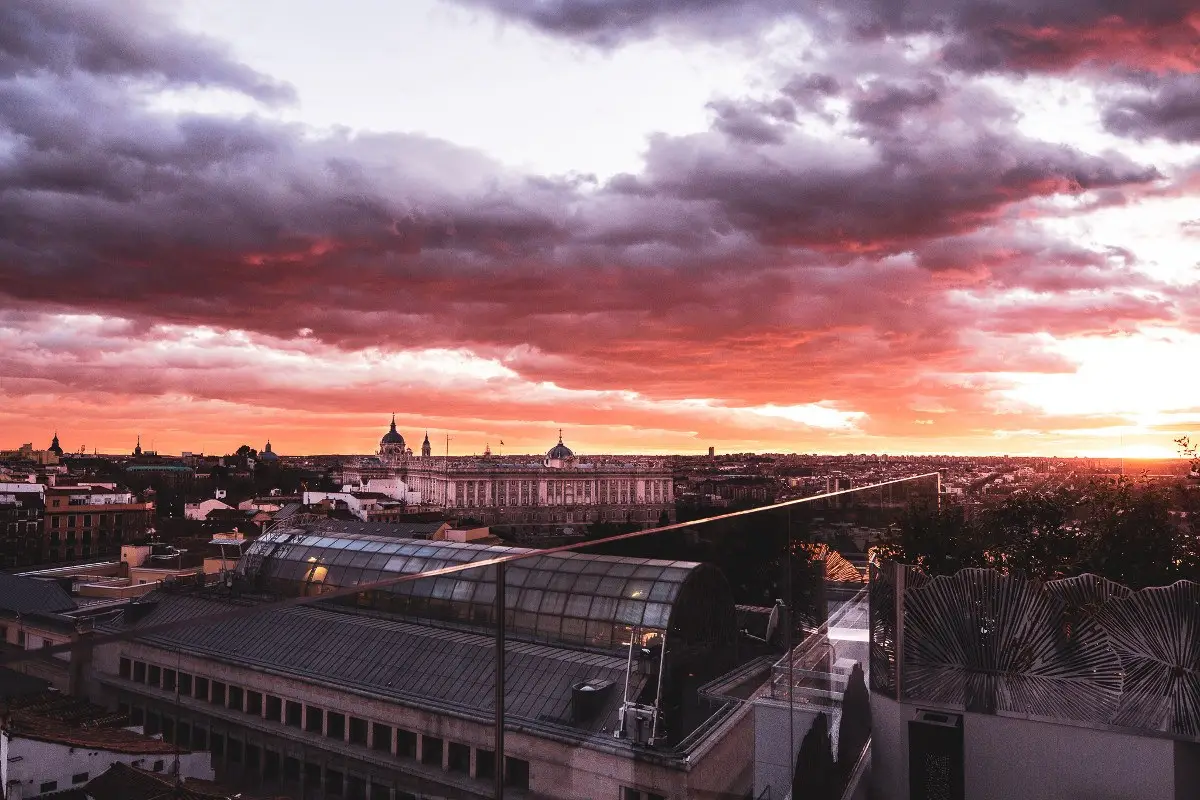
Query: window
pixel 79 777
pixel 168 680
pixel 381 738
pixel 253 756
pixel 70 520
pixel 201 688
pixel 185 684
pixel 335 728
pixel 218 693
pixel 312 775
pixel 458 758
pixel 485 764
pixel 137 716
pixel 216 744
pixel 313 719
pixel 270 765
pixel 199 738
pixel 291 769
pixel 380 791
pixel 254 703
pixel 237 698
pixel 158 765
pixel 406 743
pixel 153 723
pixel 294 715
pixel 516 773
pixel 274 708
pixel 125 668
pixel 333 783
pixel 183 736
pixel 431 750
pixel 21 642
pixel 358 731
pixel 48 786
pixel 234 750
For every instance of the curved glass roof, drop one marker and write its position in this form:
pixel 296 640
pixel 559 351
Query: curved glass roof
pixel 573 598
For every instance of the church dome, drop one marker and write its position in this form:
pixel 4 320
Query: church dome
pixel 560 451
pixel 392 436
pixel 268 454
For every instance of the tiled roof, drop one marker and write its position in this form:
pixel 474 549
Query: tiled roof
pixel 27 595
pixel 123 782
pixel 398 530
pixel 54 717
pixel 420 665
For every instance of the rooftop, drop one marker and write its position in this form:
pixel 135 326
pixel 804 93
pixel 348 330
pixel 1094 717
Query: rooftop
pixel 54 717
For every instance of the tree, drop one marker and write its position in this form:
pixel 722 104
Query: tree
pixel 246 451
pixel 855 730
pixel 939 540
pixel 815 777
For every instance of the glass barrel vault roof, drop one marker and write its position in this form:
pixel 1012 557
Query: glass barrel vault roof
pixel 572 598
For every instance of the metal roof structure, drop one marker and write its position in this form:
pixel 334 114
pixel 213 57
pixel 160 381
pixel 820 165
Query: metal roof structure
pixel 30 595
pixel 411 663
pixel 574 599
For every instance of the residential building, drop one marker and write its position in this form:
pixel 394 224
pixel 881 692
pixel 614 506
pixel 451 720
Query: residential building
pixel 85 522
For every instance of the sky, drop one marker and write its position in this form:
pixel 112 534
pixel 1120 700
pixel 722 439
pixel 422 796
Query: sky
pixel 659 225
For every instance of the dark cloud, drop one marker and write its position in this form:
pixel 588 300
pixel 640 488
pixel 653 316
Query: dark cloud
pixel 979 35
pixel 1171 111
pixel 125 39
pixel 762 242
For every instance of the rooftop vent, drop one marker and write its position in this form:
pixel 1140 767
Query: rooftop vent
pixel 588 698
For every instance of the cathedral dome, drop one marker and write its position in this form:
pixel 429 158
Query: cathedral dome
pixel 560 452
pixel 392 436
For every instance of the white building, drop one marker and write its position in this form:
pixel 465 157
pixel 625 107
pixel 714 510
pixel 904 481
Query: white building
pixel 200 511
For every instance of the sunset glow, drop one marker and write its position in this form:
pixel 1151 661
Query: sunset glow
pixel 758 226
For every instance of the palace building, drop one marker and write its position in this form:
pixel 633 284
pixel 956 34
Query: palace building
pixel 527 493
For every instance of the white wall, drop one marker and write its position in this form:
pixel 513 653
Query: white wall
pixel 775 748
pixel 30 763
pixel 1008 758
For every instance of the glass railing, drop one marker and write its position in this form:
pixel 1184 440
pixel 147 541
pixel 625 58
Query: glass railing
pixel 724 656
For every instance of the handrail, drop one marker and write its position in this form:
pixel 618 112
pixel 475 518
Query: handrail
pixel 349 591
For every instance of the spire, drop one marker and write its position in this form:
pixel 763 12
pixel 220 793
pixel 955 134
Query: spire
pixel 560 435
pixel 393 420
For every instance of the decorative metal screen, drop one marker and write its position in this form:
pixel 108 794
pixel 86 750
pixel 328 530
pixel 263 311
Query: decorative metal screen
pixel 1082 649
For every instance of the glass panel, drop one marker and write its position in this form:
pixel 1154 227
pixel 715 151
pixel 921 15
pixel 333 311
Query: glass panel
pixel 604 608
pixel 564 582
pixel 629 612
pixel 611 587
pixel 586 584
pixel 622 569
pixel 574 630
pixel 553 602
pixel 531 600
pixel 444 587
pixel 637 589
pixel 548 625
pixel 664 591
pixel 485 593
pixel 515 577
pixel 539 578
pixel 599 634
pixel 657 615
pixel 578 605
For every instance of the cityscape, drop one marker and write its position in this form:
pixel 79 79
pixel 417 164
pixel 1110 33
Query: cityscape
pixel 576 399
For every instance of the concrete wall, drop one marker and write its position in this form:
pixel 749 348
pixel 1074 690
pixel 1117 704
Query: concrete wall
pixel 1009 758
pixel 31 763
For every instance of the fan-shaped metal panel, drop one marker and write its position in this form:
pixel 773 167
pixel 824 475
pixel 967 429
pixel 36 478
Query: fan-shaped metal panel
pixel 1156 633
pixel 988 642
pixel 882 596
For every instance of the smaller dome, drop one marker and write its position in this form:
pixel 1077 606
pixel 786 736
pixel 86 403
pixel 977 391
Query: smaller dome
pixel 267 453
pixel 560 451
pixel 392 436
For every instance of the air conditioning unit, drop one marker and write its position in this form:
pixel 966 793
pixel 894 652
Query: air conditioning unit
pixel 637 724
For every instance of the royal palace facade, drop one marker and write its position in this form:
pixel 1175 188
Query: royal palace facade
pixel 526 493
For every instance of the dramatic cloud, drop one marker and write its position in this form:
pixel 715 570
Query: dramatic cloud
pixel 1170 111
pixel 976 34
pixel 858 256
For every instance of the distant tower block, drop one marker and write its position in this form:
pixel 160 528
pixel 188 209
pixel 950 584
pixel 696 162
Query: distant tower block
pixel 712 451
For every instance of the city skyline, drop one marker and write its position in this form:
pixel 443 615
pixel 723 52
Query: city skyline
pixel 757 226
